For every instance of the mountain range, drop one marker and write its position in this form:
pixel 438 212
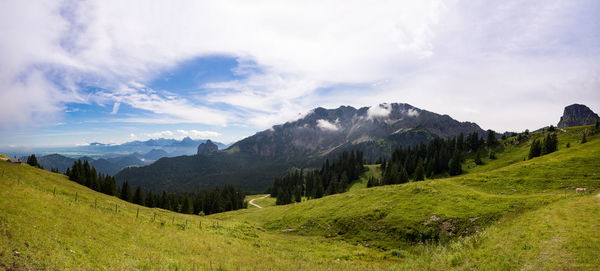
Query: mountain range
pixel 110 158
pixel 252 163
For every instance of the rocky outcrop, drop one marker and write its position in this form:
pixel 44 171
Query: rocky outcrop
pixel 577 115
pixel 207 148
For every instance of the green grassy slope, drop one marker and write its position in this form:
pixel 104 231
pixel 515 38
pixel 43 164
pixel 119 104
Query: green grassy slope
pixel 513 216
pixel 561 236
pixel 40 230
pixel 401 215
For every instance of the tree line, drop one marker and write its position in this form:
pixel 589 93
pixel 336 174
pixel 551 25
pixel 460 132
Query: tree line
pixel 333 177
pixel 544 146
pixel 439 156
pixel 200 202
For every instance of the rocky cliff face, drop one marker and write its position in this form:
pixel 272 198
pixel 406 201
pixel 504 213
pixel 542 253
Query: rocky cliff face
pixel 207 148
pixel 577 115
pixel 325 130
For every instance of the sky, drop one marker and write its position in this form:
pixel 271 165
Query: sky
pixel 76 72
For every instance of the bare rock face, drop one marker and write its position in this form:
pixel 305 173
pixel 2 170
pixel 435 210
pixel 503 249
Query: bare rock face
pixel 207 148
pixel 577 115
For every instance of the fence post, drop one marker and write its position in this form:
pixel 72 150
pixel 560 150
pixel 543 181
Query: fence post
pixel 137 214
pixel 115 208
pixel 95 203
pixel 75 196
pixel 54 193
pixel 154 219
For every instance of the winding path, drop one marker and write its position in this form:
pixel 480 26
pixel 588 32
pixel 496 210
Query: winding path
pixel 251 202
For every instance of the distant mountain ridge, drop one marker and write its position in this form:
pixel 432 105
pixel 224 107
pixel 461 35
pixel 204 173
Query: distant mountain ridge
pixel 108 166
pixel 171 147
pixel 252 163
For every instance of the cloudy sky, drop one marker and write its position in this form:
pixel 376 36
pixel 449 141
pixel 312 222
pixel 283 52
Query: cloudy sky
pixel 75 72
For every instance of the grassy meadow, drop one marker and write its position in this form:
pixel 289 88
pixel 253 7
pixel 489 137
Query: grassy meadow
pixel 506 214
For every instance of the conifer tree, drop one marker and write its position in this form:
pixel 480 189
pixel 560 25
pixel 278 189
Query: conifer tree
pixel 344 182
pixel 391 174
pixel 478 160
pixel 149 199
pixel 460 142
pixel 138 196
pixel 403 176
pixel 187 206
pixel 298 194
pixel 535 150
pixel 319 190
pixel 126 192
pixel 491 139
pixel 550 144
pixel 32 161
pixel 164 201
pixel 419 171
pixel 455 168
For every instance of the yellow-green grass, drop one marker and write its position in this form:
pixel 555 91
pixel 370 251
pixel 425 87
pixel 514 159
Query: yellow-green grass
pixel 396 216
pixel 561 236
pixel 4 156
pixel 515 215
pixel 372 171
pixel 40 230
pixel 510 151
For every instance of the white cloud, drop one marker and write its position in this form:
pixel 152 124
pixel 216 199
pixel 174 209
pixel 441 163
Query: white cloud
pixel 180 134
pixel 528 56
pixel 195 134
pixel 115 108
pixel 378 111
pixel 328 126
pixel 169 108
pixel 161 134
pixel 412 112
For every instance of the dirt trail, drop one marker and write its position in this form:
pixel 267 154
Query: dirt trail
pixel 251 202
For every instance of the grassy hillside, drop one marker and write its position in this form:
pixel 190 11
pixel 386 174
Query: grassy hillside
pixel 40 230
pixel 401 215
pixel 513 215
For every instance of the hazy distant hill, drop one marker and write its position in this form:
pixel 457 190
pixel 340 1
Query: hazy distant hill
pixel 149 150
pixel 254 162
pixel 169 147
pixel 104 165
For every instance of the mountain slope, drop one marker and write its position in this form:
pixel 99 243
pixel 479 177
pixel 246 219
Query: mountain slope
pixel 252 163
pixel 323 131
pixel 535 227
pixel 62 231
pixel 402 215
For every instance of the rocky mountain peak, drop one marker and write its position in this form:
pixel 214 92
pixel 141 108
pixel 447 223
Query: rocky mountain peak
pixel 207 147
pixel 577 115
